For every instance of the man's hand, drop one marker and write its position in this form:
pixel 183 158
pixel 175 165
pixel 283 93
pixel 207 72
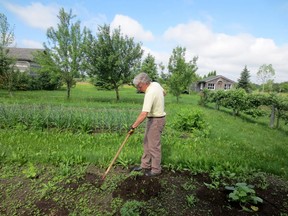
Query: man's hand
pixel 131 130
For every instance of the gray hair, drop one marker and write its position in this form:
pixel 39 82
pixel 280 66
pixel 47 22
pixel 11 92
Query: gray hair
pixel 141 78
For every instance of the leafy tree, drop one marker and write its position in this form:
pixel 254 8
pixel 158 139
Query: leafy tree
pixel 280 87
pixel 163 77
pixel 8 73
pixel 181 73
pixel 113 57
pixel 66 49
pixel 150 67
pixel 244 80
pixel 49 74
pixel 265 73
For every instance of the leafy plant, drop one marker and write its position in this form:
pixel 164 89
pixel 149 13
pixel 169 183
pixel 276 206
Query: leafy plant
pixel 131 208
pixel 31 171
pixel 191 200
pixel 189 185
pixel 135 174
pixel 191 121
pixel 244 194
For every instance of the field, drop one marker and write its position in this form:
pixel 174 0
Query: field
pixel 54 152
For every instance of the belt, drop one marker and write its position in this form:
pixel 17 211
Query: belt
pixel 156 117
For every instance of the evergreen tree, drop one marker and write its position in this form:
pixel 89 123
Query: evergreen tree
pixel 244 80
pixel 150 67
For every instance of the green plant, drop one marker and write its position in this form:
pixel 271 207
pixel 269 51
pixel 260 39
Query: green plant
pixel 47 188
pixel 189 185
pixel 244 194
pixel 131 208
pixel 135 174
pixel 191 200
pixel 192 121
pixel 31 171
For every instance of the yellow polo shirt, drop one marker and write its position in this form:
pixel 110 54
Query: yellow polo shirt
pixel 154 100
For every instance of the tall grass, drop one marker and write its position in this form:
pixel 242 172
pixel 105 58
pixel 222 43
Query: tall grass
pixel 234 144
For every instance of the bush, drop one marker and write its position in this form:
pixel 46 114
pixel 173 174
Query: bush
pixel 191 121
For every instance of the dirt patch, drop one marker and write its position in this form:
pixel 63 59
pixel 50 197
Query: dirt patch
pixel 139 188
pixel 171 193
pixel 50 207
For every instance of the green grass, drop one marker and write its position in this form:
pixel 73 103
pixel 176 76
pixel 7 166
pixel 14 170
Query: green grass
pixel 235 144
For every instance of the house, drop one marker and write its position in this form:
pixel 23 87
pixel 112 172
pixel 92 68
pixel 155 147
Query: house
pixel 214 83
pixel 24 58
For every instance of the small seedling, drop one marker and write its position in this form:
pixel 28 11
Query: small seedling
pixel 191 200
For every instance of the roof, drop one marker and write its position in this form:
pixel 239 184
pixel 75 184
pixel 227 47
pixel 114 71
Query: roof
pixel 211 78
pixel 22 53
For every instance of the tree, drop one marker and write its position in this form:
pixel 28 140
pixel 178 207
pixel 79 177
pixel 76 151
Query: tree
pixel 150 67
pixel 211 73
pixel 113 57
pixel 66 49
pixel 181 73
pixel 244 80
pixel 265 73
pixel 8 73
pixel 48 75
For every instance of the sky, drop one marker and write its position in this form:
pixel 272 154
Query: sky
pixel 225 35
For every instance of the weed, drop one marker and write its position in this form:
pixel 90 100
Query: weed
pixel 116 204
pixel 47 189
pixel 131 208
pixel 31 171
pixel 135 174
pixel 191 200
pixel 189 185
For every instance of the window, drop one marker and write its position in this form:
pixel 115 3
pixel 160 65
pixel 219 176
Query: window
pixel 22 65
pixel 227 86
pixel 210 86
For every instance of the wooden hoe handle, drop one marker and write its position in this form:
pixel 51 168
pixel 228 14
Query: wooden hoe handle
pixel 117 154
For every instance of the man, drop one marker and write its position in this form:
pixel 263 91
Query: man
pixel 153 110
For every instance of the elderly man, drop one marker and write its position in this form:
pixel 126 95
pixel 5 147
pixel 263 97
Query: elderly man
pixel 153 110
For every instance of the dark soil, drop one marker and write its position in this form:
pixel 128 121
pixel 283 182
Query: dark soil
pixel 171 193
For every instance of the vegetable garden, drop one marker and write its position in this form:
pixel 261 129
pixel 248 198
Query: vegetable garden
pixel 54 149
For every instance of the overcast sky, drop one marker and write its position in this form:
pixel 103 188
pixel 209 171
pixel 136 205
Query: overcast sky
pixel 225 35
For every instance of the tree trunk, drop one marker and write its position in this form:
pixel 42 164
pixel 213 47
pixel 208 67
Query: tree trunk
pixel 68 90
pixel 278 118
pixel 272 117
pixel 117 93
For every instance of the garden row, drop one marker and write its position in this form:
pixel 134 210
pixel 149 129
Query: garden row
pixel 87 120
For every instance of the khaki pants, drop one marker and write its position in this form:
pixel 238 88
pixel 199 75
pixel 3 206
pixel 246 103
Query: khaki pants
pixel 151 158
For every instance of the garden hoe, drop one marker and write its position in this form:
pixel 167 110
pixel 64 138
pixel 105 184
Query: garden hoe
pixel 117 154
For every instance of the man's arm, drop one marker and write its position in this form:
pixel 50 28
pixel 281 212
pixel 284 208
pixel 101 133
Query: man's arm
pixel 142 116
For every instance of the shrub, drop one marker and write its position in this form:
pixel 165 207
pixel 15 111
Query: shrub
pixel 191 121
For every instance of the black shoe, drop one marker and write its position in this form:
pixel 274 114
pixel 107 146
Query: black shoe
pixel 151 174
pixel 136 169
